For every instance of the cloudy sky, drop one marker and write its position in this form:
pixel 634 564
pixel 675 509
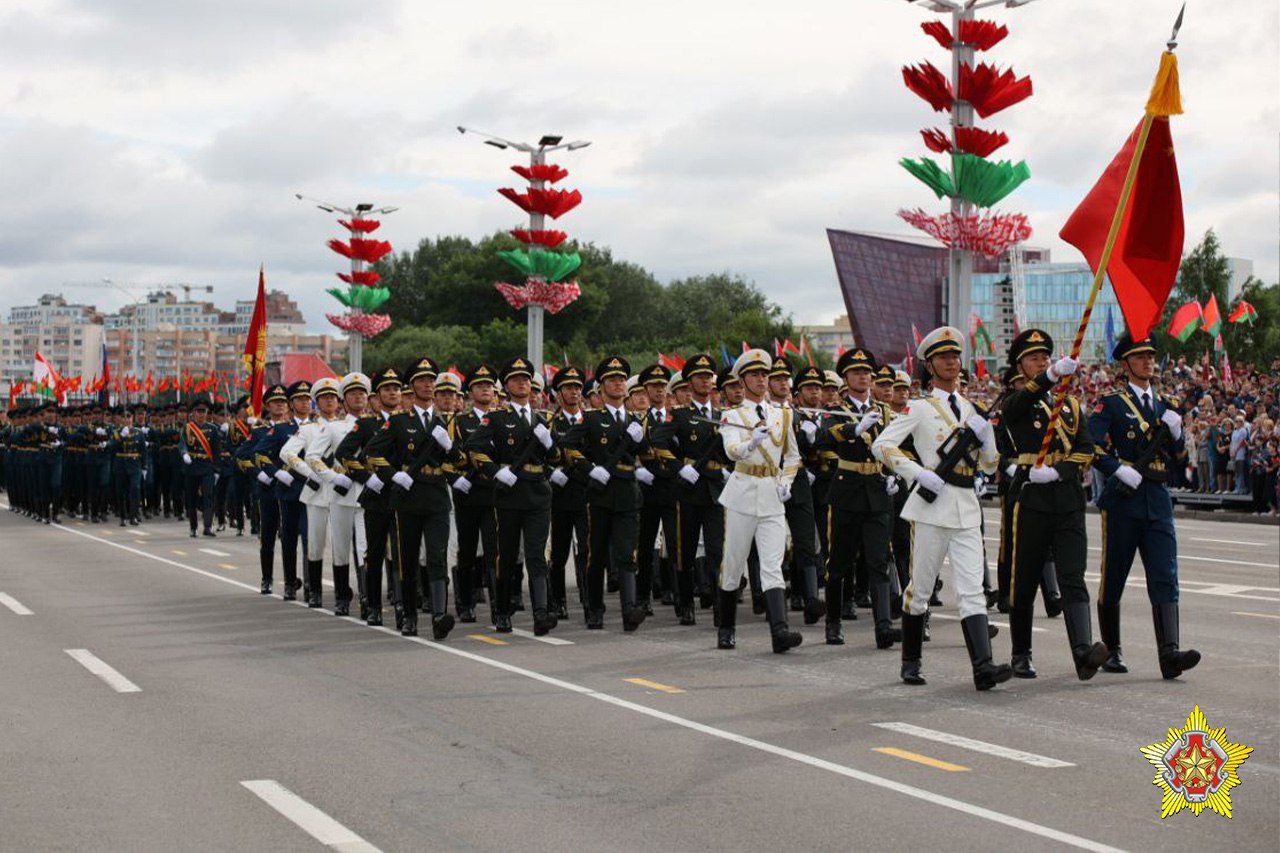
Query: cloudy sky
pixel 163 140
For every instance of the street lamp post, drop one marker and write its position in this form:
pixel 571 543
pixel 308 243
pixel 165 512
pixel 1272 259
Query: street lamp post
pixel 537 221
pixel 960 266
pixel 355 339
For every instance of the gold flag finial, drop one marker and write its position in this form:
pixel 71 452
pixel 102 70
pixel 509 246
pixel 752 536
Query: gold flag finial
pixel 1166 97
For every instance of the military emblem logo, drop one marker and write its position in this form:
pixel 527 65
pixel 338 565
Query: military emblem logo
pixel 1196 767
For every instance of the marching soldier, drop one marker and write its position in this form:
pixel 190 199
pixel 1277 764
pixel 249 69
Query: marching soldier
pixel 801 513
pixel 379 520
pixel 240 485
pixel 409 454
pixel 860 512
pixel 659 510
pixel 950 524
pixel 702 474
pixel 275 405
pixel 568 494
pixel 309 440
pixel 1048 503
pixel 607 444
pixel 200 449
pixel 128 446
pixel 1138 438
pixel 512 447
pixel 346 518
pixel 759 438
pixel 473 501
pixel 901 542
pixel 286 488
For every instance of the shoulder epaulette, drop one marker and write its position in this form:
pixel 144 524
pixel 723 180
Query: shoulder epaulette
pixel 1111 392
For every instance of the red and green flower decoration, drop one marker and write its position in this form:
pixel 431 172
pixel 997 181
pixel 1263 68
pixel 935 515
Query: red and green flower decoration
pixel 545 267
pixel 363 295
pixel 970 175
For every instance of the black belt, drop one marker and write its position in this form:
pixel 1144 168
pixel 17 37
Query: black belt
pixel 963 480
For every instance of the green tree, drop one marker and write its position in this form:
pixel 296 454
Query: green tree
pixel 1204 272
pixel 1259 342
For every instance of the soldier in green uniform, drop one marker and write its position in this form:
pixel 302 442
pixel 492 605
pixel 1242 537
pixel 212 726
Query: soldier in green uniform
pixel 860 512
pixel 512 447
pixel 1048 503
pixel 608 442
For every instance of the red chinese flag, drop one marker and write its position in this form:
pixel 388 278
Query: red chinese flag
pixel 1148 247
pixel 255 347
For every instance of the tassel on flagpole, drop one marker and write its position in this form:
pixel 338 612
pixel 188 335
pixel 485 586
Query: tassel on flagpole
pixel 1166 97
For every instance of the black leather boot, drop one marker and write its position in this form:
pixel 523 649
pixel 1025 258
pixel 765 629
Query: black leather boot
pixel 543 621
pixel 784 638
pixel 835 633
pixel 886 634
pixel 1049 589
pixel 1087 654
pixel 632 613
pixel 342 590
pixel 726 619
pixel 912 643
pixel 813 606
pixel 315 569
pixel 1173 662
pixel 441 619
pixel 1020 622
pixel 976 637
pixel 1109 628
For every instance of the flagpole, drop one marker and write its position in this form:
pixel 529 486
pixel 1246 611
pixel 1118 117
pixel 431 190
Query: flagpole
pixel 1149 116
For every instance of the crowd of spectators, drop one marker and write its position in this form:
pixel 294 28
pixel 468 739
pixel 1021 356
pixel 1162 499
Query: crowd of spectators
pixel 1231 424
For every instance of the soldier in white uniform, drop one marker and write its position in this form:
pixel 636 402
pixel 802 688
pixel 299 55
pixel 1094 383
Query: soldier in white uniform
pixel 950 525
pixel 760 441
pixel 316 497
pixel 346 516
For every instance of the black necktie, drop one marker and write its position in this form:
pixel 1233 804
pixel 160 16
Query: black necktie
pixel 426 416
pixel 955 406
pixel 759 411
pixel 1146 405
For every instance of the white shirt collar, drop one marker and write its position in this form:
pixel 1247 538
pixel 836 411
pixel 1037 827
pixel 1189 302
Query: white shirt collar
pixel 424 413
pixel 616 412
pixel 480 413
pixel 945 396
pixel 1138 392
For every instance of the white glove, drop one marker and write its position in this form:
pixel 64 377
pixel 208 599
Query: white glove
pixel 930 481
pixel 981 427
pixel 813 478
pixel 543 435
pixel 99 431
pixel 53 430
pixel 559 477
pixel 403 480
pixel 869 420
pixel 690 474
pixel 284 477
pixel 636 431
pixel 1173 421
pixel 600 475
pixel 1044 474
pixel 225 428
pixel 186 459
pixel 810 429
pixel 1064 366
pixel 125 431
pixel 784 492
pixel 644 476
pixel 505 477
pixel 441 435
pixel 375 484
pixel 1010 470
pixel 462 484
pixel 341 481
pixel 263 478
pixel 1129 475
pixel 726 473
pixel 216 478
pixel 102 445
pixel 55 444
pixel 251 420
pixel 144 430
pixel 758 435
pixel 891 485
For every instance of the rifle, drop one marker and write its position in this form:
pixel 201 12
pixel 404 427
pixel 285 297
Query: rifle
pixel 710 447
pixel 620 453
pixel 423 456
pixel 958 448
pixel 1149 454
pixel 530 443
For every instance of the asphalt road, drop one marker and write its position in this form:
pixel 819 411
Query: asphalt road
pixel 251 724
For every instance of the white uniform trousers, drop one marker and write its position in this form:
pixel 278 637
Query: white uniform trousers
pixel 769 532
pixel 929 545
pixel 317 530
pixel 346 523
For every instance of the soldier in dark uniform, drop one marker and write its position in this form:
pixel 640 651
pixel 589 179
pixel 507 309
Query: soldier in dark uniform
pixel 701 474
pixel 1138 437
pixel 239 484
pixel 408 454
pixel 200 449
pixel 608 442
pixel 802 507
pixel 472 500
pixel 860 512
pixel 275 406
pixel 128 446
pixel 375 497
pixel 1048 503
pixel 49 443
pixel 568 495
pixel 659 492
pixel 512 448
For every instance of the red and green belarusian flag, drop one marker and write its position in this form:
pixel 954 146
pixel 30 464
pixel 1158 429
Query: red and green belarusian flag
pixel 1212 316
pixel 1244 313
pixel 1186 320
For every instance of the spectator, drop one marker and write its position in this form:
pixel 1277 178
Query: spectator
pixel 1240 455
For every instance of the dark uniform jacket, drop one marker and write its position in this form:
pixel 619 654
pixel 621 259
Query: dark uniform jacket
pixel 465 425
pixel 1121 432
pixel 600 440
pixel 504 438
pixel 1023 417
pixel 859 480
pixel 572 496
pixel 697 444
pixel 404 443
pixel 351 458
pixel 204 460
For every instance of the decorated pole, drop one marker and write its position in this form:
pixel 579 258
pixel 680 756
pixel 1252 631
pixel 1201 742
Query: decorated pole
pixel 545 269
pixel 1165 100
pixel 363 296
